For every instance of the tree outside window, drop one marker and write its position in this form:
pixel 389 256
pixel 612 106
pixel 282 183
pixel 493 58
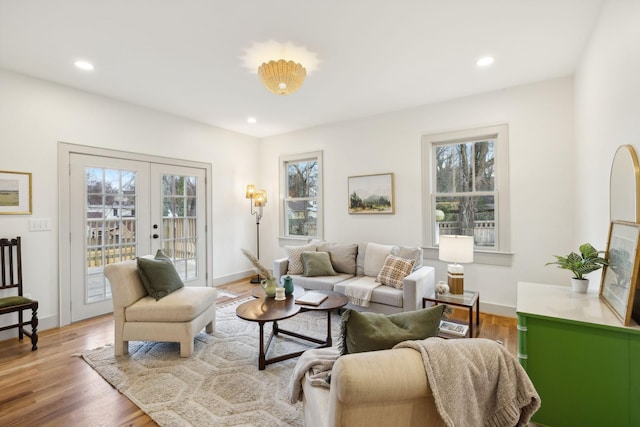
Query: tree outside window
pixel 301 201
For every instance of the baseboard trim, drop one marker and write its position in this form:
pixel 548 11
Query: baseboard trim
pixel 498 309
pixel 223 280
pixel 50 322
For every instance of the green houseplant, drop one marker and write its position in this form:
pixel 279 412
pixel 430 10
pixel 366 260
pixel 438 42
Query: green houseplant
pixel 585 262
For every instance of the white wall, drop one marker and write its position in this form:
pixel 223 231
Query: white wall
pixel 35 115
pixel 540 119
pixel 607 99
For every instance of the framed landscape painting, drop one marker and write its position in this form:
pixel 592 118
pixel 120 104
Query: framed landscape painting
pixel 619 278
pixel 371 194
pixel 15 193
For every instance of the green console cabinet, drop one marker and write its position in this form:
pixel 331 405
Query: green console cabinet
pixel 584 364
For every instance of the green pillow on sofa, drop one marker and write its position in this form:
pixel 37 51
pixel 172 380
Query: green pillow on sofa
pixel 365 331
pixel 316 264
pixel 159 276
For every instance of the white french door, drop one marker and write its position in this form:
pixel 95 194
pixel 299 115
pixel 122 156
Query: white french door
pixel 120 209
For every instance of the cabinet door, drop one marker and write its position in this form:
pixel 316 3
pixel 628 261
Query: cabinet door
pixel 581 373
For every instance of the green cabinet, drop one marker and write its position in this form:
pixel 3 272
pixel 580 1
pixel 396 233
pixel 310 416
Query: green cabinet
pixel 584 364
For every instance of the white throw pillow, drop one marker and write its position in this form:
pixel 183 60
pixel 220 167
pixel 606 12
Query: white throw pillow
pixel 294 254
pixel 374 258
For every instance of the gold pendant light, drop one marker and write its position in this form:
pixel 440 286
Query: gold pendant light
pixel 282 77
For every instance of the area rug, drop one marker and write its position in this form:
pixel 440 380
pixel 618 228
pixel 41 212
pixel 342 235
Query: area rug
pixel 220 384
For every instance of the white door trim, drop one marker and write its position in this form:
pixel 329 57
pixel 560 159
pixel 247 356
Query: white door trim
pixel 64 244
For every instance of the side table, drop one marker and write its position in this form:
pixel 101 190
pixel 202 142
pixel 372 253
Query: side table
pixel 467 300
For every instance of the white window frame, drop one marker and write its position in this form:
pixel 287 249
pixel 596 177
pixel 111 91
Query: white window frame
pixel 500 255
pixel 293 158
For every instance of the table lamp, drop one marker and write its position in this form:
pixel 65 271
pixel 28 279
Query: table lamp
pixel 456 249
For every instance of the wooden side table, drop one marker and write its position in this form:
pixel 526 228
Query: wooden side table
pixel 468 300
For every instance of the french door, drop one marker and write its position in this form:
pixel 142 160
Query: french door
pixel 120 209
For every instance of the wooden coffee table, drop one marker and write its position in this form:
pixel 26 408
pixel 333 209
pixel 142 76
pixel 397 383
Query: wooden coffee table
pixel 263 310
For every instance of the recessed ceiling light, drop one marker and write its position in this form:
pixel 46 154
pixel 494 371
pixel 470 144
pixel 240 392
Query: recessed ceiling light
pixel 486 61
pixel 251 120
pixel 84 65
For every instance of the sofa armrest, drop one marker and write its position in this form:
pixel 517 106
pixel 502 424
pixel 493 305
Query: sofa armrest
pixel 417 285
pixel 280 268
pixel 386 387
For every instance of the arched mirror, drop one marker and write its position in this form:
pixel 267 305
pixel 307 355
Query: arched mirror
pixel 624 185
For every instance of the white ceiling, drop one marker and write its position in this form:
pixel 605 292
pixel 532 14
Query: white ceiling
pixel 185 56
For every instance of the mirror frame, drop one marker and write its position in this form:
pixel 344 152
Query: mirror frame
pixel 622 151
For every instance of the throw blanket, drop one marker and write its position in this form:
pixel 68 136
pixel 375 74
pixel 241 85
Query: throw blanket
pixel 476 382
pixel 317 360
pixel 359 292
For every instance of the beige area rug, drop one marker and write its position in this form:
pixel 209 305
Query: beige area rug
pixel 220 384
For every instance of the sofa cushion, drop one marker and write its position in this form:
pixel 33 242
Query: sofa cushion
pixel 381 295
pixel 409 252
pixel 316 264
pixel 294 255
pixel 320 283
pixel 374 258
pixel 394 270
pixel 159 275
pixel 183 305
pixel 364 331
pixel 343 256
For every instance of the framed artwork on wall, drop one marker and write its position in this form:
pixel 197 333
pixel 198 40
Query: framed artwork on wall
pixel 15 193
pixel 371 194
pixel 619 278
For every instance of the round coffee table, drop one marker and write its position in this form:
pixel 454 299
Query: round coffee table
pixel 263 310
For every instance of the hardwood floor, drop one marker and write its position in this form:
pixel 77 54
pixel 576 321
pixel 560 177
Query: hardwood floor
pixel 52 387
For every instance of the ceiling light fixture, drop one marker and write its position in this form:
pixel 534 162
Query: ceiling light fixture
pixel 84 65
pixel 282 77
pixel 251 120
pixel 486 61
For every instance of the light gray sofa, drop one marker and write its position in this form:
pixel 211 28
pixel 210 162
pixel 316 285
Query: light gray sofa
pixel 351 264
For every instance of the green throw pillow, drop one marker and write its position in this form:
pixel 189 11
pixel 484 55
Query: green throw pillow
pixel 316 264
pixel 365 331
pixel 159 275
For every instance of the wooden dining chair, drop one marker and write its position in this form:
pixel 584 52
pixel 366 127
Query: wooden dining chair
pixel 11 259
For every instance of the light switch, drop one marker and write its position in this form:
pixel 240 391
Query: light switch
pixel 41 224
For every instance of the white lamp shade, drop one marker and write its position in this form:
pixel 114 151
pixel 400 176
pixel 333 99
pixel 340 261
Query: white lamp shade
pixel 457 249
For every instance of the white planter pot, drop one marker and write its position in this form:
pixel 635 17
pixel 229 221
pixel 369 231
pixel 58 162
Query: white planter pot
pixel 580 285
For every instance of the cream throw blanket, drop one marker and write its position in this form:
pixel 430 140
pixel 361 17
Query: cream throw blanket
pixel 359 292
pixel 476 382
pixel 318 362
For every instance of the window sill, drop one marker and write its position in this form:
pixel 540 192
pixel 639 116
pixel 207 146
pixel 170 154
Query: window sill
pixel 503 259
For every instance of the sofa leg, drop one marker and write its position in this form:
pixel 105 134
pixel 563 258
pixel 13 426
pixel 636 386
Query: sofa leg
pixel 121 348
pixel 209 327
pixel 186 348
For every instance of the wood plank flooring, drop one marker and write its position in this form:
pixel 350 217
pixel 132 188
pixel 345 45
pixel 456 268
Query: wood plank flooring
pixel 51 387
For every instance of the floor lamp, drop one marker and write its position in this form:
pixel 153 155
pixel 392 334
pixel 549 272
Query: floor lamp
pixel 257 199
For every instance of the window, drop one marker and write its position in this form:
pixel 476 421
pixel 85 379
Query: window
pixel 466 177
pixel 301 178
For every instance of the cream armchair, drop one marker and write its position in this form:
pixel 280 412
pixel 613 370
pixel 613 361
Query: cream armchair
pixel 177 317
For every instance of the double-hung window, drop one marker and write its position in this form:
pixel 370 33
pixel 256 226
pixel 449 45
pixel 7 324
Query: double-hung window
pixel 466 177
pixel 301 180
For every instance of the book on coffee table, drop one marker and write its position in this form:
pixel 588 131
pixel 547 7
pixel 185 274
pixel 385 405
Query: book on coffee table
pixel 311 298
pixel 452 328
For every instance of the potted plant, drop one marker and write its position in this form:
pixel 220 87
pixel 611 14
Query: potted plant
pixel 585 262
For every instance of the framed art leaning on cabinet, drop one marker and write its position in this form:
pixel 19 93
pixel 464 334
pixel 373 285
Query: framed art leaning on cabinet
pixel 620 277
